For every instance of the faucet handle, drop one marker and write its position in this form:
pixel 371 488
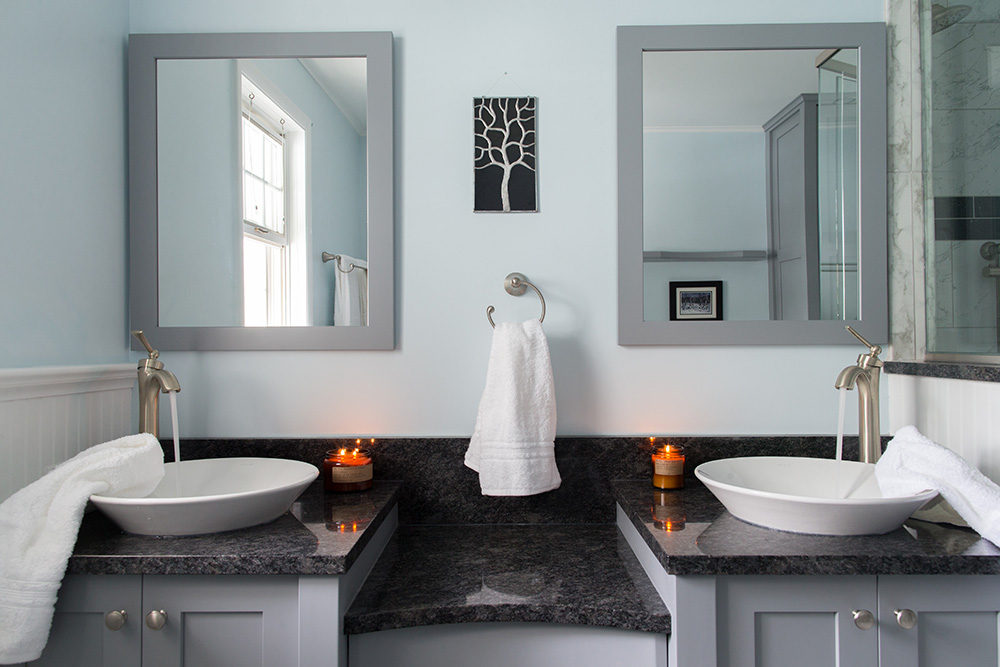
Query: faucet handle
pixel 873 350
pixel 153 354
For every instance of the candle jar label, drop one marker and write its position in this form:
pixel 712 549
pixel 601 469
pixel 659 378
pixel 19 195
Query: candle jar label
pixel 668 466
pixel 350 474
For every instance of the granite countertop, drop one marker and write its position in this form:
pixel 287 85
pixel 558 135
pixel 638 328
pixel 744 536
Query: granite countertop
pixel 323 533
pixel 580 574
pixel 714 542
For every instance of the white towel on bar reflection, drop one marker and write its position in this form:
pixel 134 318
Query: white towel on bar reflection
pixel 38 527
pixel 350 297
pixel 513 444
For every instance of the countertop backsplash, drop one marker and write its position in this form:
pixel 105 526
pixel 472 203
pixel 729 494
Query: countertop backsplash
pixel 437 488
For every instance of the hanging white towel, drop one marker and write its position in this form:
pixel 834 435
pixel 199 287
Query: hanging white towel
pixel 513 444
pixel 38 528
pixel 350 296
pixel 913 463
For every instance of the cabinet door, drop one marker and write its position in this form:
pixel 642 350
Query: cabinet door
pixel 80 635
pixel 774 621
pixel 956 620
pixel 221 621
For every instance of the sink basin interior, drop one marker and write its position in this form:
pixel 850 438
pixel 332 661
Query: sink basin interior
pixel 212 495
pixel 807 495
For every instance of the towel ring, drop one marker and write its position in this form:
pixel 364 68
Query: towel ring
pixel 516 285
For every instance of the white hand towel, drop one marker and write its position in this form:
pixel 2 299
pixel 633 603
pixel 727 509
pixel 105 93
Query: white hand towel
pixel 913 463
pixel 350 296
pixel 513 444
pixel 38 528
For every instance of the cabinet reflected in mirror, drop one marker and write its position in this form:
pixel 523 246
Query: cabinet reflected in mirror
pixel 253 159
pixel 753 156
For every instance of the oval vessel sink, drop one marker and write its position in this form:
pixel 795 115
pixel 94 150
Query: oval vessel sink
pixel 807 495
pixel 212 495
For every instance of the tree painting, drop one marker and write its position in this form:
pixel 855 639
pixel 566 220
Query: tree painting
pixel 505 154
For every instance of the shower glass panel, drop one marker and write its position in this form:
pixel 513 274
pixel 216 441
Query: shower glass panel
pixel 837 147
pixel 961 108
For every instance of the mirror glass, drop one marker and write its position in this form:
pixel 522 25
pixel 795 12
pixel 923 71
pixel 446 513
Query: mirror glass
pixel 260 170
pixel 746 150
pixel 261 190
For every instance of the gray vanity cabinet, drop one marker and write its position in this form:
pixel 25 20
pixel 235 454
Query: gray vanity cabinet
pixel 792 621
pixel 79 634
pixel 209 620
pixel 955 620
pixel 810 620
pixel 221 620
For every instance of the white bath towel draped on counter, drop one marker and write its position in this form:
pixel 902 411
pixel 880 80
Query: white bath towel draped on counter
pixel 513 444
pixel 38 528
pixel 913 463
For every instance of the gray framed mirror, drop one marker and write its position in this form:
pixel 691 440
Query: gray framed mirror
pixel 261 191
pixel 751 184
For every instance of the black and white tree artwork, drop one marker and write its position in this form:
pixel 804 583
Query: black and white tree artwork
pixel 505 154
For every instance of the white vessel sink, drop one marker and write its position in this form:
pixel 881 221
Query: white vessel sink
pixel 806 495
pixel 212 495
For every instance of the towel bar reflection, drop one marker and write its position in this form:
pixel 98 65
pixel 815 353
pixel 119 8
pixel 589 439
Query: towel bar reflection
pixel 340 263
pixel 516 284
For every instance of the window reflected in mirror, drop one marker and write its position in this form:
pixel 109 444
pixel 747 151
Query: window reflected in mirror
pixel 261 167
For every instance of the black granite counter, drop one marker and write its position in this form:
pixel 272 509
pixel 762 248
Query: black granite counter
pixel 942 369
pixel 579 574
pixel 323 533
pixel 714 542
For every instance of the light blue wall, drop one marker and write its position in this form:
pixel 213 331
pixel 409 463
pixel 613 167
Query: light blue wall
pixel 198 193
pixel 706 191
pixel 451 262
pixel 62 182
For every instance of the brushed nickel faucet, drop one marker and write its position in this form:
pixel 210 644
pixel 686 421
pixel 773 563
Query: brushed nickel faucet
pixel 865 376
pixel 153 380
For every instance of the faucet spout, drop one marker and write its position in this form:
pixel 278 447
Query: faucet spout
pixel 865 377
pixel 153 380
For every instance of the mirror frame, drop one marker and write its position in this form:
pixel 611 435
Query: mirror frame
pixel 143 52
pixel 870 40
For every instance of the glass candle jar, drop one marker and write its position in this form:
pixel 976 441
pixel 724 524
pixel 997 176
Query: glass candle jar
pixel 668 467
pixel 347 470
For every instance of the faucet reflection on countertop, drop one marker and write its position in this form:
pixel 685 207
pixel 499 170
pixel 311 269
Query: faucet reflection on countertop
pixel 865 376
pixel 153 379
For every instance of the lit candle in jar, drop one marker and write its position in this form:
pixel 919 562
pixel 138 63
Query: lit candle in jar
pixel 348 469
pixel 668 466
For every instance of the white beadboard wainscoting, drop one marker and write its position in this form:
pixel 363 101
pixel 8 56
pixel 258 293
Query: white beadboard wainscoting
pixel 963 415
pixel 50 414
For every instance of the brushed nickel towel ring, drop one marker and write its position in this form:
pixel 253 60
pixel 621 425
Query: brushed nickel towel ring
pixel 516 284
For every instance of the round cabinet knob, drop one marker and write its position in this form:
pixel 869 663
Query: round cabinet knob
pixel 907 618
pixel 156 619
pixel 863 619
pixel 115 620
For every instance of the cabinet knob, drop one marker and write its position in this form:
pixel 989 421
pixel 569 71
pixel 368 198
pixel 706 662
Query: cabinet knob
pixel 863 619
pixel 115 620
pixel 907 618
pixel 156 619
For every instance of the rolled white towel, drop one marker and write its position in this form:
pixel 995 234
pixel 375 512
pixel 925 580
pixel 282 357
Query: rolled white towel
pixel 913 463
pixel 38 528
